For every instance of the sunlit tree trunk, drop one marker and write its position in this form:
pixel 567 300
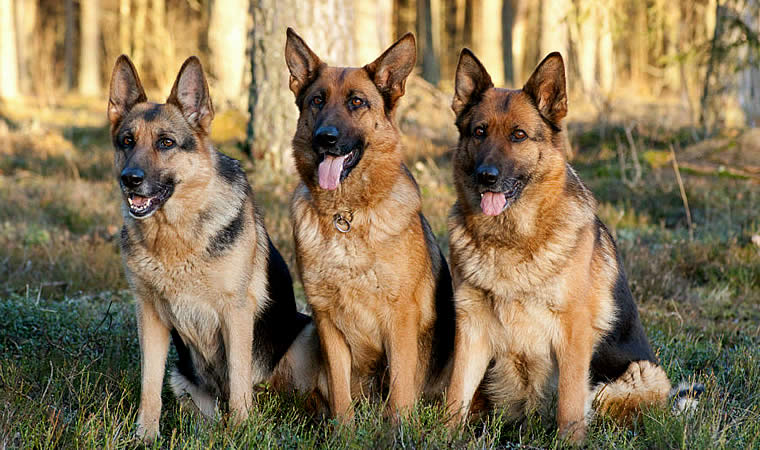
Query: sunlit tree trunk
pixel 8 58
pixel 554 27
pixel 125 26
pixel 327 26
pixel 519 27
pixel 89 55
pixel 487 37
pixel 227 40
pixel 26 42
pixel 373 28
pixel 606 49
pixel 139 21
pixel 587 40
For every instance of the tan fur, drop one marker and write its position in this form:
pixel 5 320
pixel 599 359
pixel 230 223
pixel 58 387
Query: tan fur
pixel 534 284
pixel 372 289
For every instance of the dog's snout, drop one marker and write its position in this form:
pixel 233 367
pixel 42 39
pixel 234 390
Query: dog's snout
pixel 326 136
pixel 487 175
pixel 132 177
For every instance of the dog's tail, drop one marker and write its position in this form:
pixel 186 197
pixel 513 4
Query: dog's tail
pixel 644 384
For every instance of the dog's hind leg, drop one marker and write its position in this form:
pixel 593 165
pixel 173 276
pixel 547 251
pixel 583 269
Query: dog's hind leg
pixel 200 399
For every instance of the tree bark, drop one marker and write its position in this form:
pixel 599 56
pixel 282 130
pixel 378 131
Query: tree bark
pixel 89 55
pixel 428 42
pixel 373 28
pixel 326 25
pixel 26 43
pixel 8 57
pixel 226 39
pixel 487 37
pixel 68 44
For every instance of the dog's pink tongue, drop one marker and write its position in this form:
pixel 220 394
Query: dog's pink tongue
pixel 493 203
pixel 329 172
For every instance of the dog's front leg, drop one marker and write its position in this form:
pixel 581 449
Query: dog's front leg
pixel 237 330
pixel 337 354
pixel 402 347
pixel 574 359
pixel 153 335
pixel 472 352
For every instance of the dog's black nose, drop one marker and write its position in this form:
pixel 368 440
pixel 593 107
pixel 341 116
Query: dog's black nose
pixel 487 175
pixel 326 137
pixel 132 177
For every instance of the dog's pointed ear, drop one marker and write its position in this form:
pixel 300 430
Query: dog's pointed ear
pixel 126 90
pixel 471 81
pixel 191 95
pixel 390 70
pixel 547 88
pixel 302 62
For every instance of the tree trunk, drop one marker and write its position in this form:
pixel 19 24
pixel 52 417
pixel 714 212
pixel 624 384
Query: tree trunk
pixel 428 32
pixel 487 38
pixel 588 37
pixel 606 50
pixel 226 41
pixel 26 43
pixel 519 28
pixel 125 27
pixel 508 17
pixel 373 28
pixel 89 55
pixel 554 30
pixel 8 58
pixel 138 45
pixel 749 78
pixel 68 44
pixel 326 25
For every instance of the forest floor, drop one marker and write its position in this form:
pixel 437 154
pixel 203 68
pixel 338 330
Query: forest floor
pixel 69 359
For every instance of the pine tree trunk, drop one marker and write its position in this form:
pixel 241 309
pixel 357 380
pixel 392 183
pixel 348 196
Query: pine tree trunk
pixel 487 38
pixel 8 58
pixel 26 43
pixel 373 28
pixel 326 25
pixel 89 55
pixel 428 32
pixel 227 40
pixel 68 44
pixel 749 78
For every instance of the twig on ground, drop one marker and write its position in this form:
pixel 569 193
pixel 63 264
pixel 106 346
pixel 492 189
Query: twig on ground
pixel 683 193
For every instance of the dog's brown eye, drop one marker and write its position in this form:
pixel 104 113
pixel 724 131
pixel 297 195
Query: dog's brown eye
pixel 479 132
pixel 127 141
pixel 317 101
pixel 165 143
pixel 356 101
pixel 519 135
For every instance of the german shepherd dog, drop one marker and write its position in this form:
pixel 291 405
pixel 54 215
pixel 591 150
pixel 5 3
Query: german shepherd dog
pixel 197 256
pixel 542 301
pixel 374 276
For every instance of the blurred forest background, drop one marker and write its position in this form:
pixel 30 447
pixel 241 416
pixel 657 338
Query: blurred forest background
pixel 702 55
pixel 663 127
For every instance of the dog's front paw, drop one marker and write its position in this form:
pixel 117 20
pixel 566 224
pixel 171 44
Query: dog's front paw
pixel 147 431
pixel 573 432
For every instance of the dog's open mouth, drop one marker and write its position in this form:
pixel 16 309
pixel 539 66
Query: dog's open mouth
pixel 141 207
pixel 494 203
pixel 334 169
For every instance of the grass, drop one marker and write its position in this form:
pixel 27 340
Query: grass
pixel 69 375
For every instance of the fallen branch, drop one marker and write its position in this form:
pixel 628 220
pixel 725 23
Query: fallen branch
pixel 683 193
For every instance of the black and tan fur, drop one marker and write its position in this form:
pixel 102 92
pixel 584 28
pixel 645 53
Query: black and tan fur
pixel 542 301
pixel 381 292
pixel 197 256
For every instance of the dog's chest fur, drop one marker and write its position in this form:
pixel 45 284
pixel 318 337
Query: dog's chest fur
pixel 188 286
pixel 356 277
